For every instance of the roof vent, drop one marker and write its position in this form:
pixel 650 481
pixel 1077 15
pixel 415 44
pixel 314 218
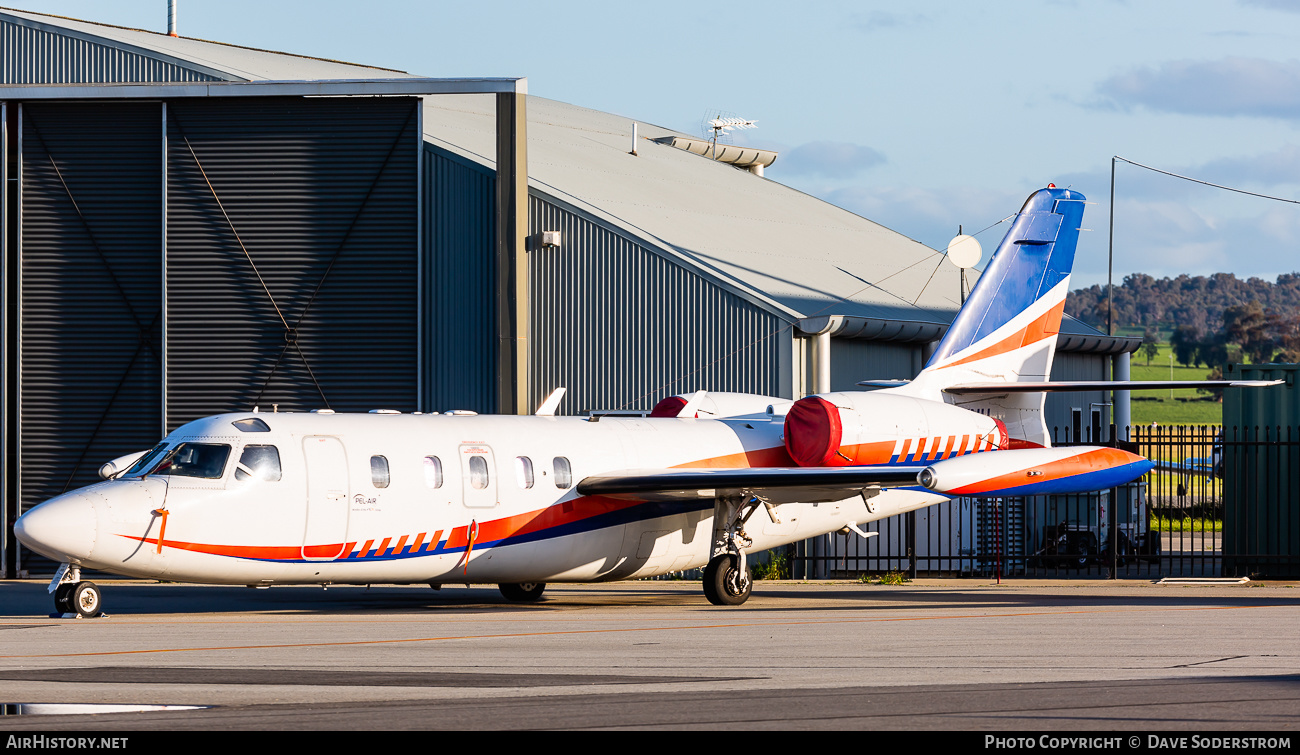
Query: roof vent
pixel 752 160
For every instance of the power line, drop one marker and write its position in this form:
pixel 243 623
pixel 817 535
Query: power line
pixel 1207 183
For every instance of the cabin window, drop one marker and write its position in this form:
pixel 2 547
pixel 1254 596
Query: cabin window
pixel 204 460
pixel 379 471
pixel 432 472
pixel 563 473
pixel 260 462
pixel 252 425
pixel 524 471
pixel 478 472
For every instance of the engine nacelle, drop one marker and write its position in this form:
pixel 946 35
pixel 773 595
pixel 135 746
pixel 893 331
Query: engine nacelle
pixel 721 404
pixel 862 427
pixel 1035 471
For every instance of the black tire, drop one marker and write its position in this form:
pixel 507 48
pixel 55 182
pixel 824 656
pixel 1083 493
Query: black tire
pixel 722 585
pixel 63 598
pixel 522 592
pixel 86 600
pixel 1083 551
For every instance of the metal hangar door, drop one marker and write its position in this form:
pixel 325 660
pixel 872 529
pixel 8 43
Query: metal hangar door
pixel 187 257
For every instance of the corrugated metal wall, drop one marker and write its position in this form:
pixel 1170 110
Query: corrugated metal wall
pixel 621 326
pixel 459 247
pixel 90 301
pixel 30 55
pixel 855 359
pixel 1058 408
pixel 8 463
pixel 323 195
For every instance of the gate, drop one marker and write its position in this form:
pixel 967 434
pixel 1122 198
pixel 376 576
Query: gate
pixel 1220 503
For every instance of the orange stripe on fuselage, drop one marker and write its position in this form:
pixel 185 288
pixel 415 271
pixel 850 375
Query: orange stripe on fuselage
pixel 762 457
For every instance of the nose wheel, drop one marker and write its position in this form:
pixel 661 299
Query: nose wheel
pixel 72 595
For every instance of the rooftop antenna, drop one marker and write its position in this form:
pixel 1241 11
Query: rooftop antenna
pixel 717 127
pixel 965 252
pixel 171 18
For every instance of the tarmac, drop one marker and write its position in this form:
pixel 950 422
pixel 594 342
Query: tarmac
pixel 966 655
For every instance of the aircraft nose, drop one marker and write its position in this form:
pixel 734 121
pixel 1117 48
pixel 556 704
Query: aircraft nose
pixel 62 528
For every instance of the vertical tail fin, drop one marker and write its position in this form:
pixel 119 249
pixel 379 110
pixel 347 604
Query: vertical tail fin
pixel 1006 331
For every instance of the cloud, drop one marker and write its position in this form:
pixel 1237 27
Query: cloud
pixel 1229 87
pixel 881 20
pixel 1281 166
pixel 1157 235
pixel 1284 5
pixel 828 159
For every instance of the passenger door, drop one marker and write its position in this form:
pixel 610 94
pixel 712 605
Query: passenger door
pixel 327 498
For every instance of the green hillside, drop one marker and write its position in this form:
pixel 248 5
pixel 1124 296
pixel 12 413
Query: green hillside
pixel 1177 407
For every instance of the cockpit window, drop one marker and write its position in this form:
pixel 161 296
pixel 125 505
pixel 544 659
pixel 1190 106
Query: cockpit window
pixel 252 425
pixel 261 462
pixel 150 457
pixel 206 460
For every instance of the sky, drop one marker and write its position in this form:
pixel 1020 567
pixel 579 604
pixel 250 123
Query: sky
pixel 922 116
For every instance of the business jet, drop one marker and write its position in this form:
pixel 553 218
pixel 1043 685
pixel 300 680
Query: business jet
pixel 260 499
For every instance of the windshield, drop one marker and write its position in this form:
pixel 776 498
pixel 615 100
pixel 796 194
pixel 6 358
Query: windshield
pixel 149 457
pixel 206 460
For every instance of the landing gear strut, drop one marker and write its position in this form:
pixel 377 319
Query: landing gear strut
pixel 727 580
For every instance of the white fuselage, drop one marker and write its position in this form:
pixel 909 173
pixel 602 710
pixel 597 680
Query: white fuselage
pixel 330 517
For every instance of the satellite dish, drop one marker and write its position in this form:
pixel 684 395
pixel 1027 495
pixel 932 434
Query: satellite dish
pixel 965 251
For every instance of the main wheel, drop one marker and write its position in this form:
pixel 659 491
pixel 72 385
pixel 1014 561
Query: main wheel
pixel 86 600
pixel 63 598
pixel 724 584
pixel 522 592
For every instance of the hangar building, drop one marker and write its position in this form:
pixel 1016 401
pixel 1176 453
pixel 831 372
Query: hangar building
pixel 192 227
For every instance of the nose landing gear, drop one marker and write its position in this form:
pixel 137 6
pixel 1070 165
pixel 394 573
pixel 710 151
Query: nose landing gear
pixel 73 596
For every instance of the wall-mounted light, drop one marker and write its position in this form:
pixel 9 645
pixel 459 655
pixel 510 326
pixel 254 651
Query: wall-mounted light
pixel 551 239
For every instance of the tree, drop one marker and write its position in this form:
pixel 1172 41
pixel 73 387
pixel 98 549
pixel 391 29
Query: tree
pixel 1150 344
pixel 1186 341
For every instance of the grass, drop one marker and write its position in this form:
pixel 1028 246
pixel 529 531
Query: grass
pixel 1189 524
pixel 1180 406
pixel 888 578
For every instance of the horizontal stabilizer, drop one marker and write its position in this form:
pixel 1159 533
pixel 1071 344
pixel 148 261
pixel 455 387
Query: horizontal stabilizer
pixel 1102 385
pixel 775 484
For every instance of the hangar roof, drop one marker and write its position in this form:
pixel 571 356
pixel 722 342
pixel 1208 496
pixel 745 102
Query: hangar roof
pixel 789 252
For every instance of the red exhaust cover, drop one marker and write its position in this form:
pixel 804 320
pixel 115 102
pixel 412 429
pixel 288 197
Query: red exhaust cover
pixel 813 432
pixel 669 407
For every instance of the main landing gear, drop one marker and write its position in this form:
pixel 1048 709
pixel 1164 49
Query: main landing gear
pixel 725 583
pixel 522 592
pixel 73 596
pixel 727 580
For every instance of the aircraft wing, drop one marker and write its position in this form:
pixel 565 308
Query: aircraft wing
pixel 1193 467
pixel 1056 386
pixel 773 484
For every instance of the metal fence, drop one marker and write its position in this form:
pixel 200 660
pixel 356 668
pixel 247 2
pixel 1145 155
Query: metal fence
pixel 1171 523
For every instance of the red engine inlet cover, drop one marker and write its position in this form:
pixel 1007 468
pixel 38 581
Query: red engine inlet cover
pixel 813 432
